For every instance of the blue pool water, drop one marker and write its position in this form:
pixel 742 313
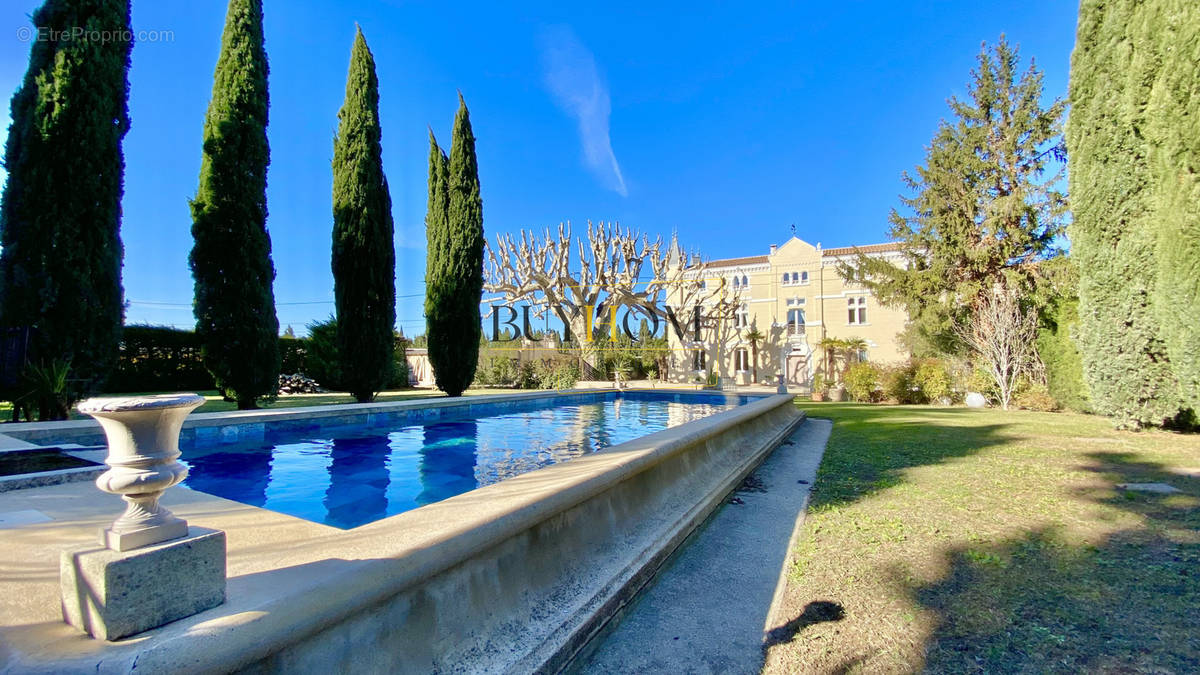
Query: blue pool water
pixel 354 475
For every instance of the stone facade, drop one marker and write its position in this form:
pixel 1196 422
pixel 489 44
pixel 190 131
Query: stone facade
pixel 795 298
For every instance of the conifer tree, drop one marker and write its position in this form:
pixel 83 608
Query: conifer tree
pixel 1113 135
pixel 454 263
pixel 985 207
pixel 1174 124
pixel 60 213
pixel 231 256
pixel 364 256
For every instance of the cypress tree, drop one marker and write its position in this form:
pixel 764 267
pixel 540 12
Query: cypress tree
pixel 60 213
pixel 454 261
pixel 231 257
pixel 1113 70
pixel 1174 126
pixel 364 256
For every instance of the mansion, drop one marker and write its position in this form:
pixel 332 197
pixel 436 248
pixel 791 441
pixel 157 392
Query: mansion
pixel 794 297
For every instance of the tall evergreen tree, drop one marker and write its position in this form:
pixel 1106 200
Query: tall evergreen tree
pixel 60 213
pixel 984 209
pixel 1110 133
pixel 1174 124
pixel 364 256
pixel 454 262
pixel 231 257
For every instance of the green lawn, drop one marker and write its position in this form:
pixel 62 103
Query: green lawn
pixel 956 540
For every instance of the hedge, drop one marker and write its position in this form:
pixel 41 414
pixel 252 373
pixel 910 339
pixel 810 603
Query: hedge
pixel 157 358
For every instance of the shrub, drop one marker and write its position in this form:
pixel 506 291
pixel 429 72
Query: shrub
pixel 981 382
pixel 556 374
pixel 933 380
pixel 1035 396
pixel 820 384
pixel 526 375
pixel 321 355
pixel 862 381
pixel 291 355
pixel 46 390
pixel 496 371
pixel 899 384
pixel 158 358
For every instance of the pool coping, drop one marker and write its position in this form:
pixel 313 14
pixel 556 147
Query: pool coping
pixel 27 435
pixel 381 561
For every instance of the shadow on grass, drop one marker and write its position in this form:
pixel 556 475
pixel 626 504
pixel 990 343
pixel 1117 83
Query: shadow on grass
pixel 817 611
pixel 872 445
pixel 1098 600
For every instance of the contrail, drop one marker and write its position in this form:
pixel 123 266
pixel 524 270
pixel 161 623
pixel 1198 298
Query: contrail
pixel 571 76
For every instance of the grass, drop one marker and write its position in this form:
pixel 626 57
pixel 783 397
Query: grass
pixel 957 541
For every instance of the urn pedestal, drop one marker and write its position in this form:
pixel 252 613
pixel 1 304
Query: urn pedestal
pixel 150 568
pixel 143 456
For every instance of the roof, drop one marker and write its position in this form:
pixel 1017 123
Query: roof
pixel 869 248
pixel 734 262
pixel 845 250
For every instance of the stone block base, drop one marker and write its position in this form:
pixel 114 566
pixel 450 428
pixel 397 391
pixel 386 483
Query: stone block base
pixel 110 594
pixel 175 528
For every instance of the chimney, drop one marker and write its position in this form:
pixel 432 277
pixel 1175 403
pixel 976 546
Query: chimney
pixel 773 247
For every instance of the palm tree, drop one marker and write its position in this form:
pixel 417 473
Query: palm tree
pixel 849 348
pixel 853 346
pixel 831 346
pixel 754 336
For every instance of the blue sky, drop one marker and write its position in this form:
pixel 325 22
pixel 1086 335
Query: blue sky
pixel 727 122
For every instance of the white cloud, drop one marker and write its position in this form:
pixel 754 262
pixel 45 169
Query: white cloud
pixel 572 77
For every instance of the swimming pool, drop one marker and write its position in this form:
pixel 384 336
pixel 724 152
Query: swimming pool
pixel 354 474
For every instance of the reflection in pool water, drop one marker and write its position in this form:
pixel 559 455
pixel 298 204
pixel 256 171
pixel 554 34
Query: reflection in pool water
pixel 357 475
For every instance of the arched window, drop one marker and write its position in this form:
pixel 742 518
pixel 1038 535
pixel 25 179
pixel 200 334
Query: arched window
pixel 745 280
pixel 795 322
pixel 735 282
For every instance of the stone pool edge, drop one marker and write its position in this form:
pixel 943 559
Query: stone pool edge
pixel 247 424
pixel 488 581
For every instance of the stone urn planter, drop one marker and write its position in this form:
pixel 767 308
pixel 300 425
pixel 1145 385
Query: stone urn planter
pixel 818 396
pixel 838 393
pixel 143 453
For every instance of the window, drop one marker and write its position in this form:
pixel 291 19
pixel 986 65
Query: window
pixel 804 277
pixel 798 302
pixel 785 278
pixel 736 282
pixel 741 360
pixel 856 310
pixel 795 322
pixel 745 281
pixel 742 319
pixel 862 356
pixel 699 362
